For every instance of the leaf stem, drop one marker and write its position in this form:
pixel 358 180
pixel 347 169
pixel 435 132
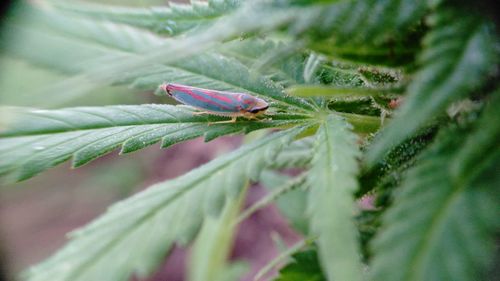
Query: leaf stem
pixel 327 91
pixel 263 202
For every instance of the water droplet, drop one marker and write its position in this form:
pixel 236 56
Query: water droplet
pixel 38 147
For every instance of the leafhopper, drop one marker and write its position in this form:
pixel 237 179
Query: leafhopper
pixel 217 102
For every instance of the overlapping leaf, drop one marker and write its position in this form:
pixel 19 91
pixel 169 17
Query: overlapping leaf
pixel 282 257
pixel 146 225
pixel 223 73
pixel 458 54
pixel 110 71
pixel 56 52
pixel 296 155
pixel 212 246
pixel 350 20
pixel 229 27
pixel 332 183
pixel 305 266
pixel 290 197
pixel 441 226
pixel 101 43
pixel 420 243
pixel 40 139
pixel 482 145
pixel 170 20
pixel 373 20
pixel 373 31
pixel 281 62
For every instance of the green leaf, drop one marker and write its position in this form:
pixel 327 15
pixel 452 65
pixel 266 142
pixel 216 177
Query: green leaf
pixel 289 195
pixel 283 256
pixel 52 48
pixel 118 43
pixel 78 41
pixel 325 91
pixel 368 223
pixel 441 227
pixel 382 77
pixel 279 61
pixel 221 73
pixel 457 55
pixel 213 244
pixel 243 20
pixel 481 144
pixel 112 69
pixel 358 106
pixel 109 34
pixel 362 123
pixel 173 19
pixel 304 267
pixel 39 139
pixel 146 225
pixel 233 271
pixel 296 155
pixel 387 175
pixel 369 21
pixel 341 75
pixel 332 181
pixel 400 55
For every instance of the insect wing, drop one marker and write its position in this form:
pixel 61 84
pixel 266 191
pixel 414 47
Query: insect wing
pixel 209 100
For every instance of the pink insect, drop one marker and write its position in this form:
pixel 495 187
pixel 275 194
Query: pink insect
pixel 217 102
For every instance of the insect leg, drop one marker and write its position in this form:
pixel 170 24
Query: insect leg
pixel 233 120
pixel 201 112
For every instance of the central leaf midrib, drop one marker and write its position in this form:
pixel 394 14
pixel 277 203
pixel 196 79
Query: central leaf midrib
pixel 61 131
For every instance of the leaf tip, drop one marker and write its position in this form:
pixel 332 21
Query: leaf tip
pixel 77 162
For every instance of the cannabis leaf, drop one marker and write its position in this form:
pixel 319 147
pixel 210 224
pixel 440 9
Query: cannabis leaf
pixel 457 55
pixel 213 243
pixel 333 72
pixel 356 22
pixel 332 181
pixel 305 266
pixel 374 32
pixel 481 146
pixel 223 73
pixel 210 70
pixel 289 196
pixel 173 19
pixel 148 223
pixel 442 225
pixel 40 139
